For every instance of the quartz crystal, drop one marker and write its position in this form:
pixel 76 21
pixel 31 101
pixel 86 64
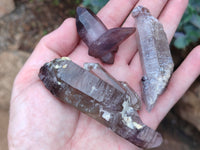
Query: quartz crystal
pixel 102 43
pixel 155 55
pixel 96 93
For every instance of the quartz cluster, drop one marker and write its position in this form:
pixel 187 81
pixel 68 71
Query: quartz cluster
pixel 96 93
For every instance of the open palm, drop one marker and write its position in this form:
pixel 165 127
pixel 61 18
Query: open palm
pixel 39 121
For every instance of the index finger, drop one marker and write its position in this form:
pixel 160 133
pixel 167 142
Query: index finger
pixel 115 12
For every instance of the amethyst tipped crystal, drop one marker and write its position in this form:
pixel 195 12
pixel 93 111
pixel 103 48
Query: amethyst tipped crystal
pixel 89 26
pixel 155 55
pixel 102 43
pixel 94 92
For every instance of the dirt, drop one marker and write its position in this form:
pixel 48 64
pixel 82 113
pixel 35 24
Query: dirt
pixel 31 20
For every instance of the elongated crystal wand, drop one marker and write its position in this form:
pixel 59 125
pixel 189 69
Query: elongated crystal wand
pixel 155 55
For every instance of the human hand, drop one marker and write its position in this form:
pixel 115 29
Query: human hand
pixel 39 121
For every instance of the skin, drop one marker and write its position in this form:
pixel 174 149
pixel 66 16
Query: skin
pixel 39 121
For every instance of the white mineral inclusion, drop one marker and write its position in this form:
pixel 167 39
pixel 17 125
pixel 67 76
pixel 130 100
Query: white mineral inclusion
pixel 93 89
pixel 57 66
pixel 64 66
pixel 137 125
pixel 65 58
pixel 127 119
pixel 59 83
pixel 106 115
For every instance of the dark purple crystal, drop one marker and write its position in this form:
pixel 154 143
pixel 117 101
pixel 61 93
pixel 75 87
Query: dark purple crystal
pixel 102 43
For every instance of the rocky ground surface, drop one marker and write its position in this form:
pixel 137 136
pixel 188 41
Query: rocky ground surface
pixel 21 30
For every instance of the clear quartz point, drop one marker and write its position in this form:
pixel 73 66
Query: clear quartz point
pixel 155 55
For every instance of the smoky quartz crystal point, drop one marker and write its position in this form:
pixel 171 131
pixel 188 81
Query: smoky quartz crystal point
pixel 155 55
pixel 102 42
pixel 96 93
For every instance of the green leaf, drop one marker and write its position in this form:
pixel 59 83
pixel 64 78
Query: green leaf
pixel 86 2
pixel 193 36
pixel 189 25
pixel 195 20
pixel 94 5
pixel 180 42
pixel 56 2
